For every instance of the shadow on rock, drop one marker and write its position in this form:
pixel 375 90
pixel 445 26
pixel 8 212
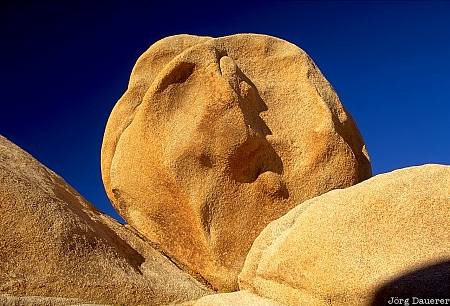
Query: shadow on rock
pixel 429 282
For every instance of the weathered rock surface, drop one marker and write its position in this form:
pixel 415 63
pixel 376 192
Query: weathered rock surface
pixel 215 138
pixel 386 237
pixel 54 244
pixel 10 300
pixel 241 298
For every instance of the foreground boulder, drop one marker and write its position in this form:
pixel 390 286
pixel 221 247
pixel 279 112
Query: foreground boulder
pixel 55 245
pixel 387 237
pixel 241 298
pixel 215 138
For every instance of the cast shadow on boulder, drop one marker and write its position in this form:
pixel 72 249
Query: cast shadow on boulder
pixel 428 282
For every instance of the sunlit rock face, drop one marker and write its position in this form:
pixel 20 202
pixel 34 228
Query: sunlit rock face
pixel 56 249
pixel 216 137
pixel 383 239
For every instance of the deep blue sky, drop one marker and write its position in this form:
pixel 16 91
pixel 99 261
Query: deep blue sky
pixel 63 67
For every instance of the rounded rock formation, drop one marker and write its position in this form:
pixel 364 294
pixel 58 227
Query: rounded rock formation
pixel 387 237
pixel 216 137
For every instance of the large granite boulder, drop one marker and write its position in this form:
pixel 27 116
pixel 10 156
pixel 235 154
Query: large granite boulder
pixel 216 137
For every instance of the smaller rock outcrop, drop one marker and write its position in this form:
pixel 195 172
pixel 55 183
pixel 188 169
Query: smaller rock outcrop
pixel 241 298
pixel 54 244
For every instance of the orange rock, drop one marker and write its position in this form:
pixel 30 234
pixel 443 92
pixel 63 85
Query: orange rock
pixel 241 298
pixel 215 138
